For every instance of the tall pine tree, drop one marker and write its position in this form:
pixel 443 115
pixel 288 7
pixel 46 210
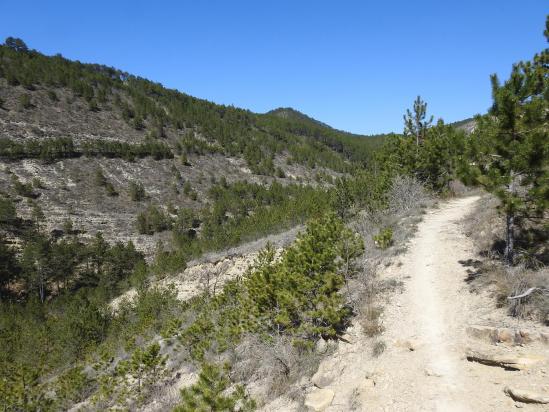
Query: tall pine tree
pixel 510 149
pixel 416 124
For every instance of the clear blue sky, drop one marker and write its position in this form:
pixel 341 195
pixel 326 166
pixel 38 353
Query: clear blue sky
pixel 356 65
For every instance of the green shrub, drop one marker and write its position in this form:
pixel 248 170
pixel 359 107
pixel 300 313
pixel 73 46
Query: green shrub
pixel 144 365
pixel 93 106
pixel 187 188
pixel 72 387
pixel 137 191
pixel 53 96
pixel 99 177
pixel 384 238
pixel 23 189
pixel 25 101
pixel 37 183
pixel 8 214
pixel 111 191
pixel 61 148
pixel 212 392
pixel 153 220
pixel 45 149
pixel 297 295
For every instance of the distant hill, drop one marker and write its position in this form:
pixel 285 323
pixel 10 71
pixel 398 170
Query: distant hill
pixel 292 114
pixel 468 125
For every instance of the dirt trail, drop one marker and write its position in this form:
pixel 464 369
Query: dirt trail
pixel 424 367
pixel 430 317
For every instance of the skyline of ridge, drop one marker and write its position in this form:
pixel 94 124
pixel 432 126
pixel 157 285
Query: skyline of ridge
pixel 351 67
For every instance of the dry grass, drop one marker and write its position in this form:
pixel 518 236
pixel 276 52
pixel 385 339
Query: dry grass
pixel 486 228
pixel 406 194
pixel 408 200
pixel 370 320
pixel 378 348
pixel 275 366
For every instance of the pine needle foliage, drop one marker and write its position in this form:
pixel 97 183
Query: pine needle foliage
pixel 510 150
pixel 213 392
pixel 296 294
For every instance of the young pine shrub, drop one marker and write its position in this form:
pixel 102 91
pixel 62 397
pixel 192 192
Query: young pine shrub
pixel 25 101
pixel 152 220
pixel 136 191
pixel 213 392
pixel 52 96
pixel 99 177
pixel 384 238
pixel 23 189
pixel 111 191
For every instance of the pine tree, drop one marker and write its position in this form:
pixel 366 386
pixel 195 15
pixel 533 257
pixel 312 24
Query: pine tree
pixel 510 151
pixel 210 393
pixel 36 265
pixel 9 267
pixel 415 124
pixel 16 44
pixel 25 101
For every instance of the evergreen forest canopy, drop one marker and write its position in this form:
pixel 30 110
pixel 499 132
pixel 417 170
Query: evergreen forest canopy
pixel 146 105
pixel 59 287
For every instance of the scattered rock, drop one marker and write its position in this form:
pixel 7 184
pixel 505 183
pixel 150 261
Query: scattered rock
pixel 321 346
pixel 481 332
pixel 507 335
pixel 524 336
pixel 410 344
pixel 431 372
pixel 526 396
pixel 509 362
pixel 326 373
pixel 319 400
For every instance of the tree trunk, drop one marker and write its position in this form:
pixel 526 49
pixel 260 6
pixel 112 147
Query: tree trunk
pixel 510 226
pixel 510 239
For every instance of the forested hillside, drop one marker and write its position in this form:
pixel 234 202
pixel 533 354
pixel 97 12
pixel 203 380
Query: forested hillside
pixel 110 182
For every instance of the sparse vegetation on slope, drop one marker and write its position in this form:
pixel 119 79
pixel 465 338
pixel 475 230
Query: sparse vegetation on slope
pixel 194 177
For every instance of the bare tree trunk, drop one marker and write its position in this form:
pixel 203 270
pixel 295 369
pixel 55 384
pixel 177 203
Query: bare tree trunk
pixel 510 239
pixel 510 228
pixel 41 285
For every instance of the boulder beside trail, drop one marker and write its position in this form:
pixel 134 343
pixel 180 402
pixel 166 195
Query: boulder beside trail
pixel 503 360
pixel 319 399
pixel 327 372
pixel 525 396
pixel 508 336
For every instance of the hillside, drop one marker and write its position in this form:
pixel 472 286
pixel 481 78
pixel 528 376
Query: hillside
pixel 64 123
